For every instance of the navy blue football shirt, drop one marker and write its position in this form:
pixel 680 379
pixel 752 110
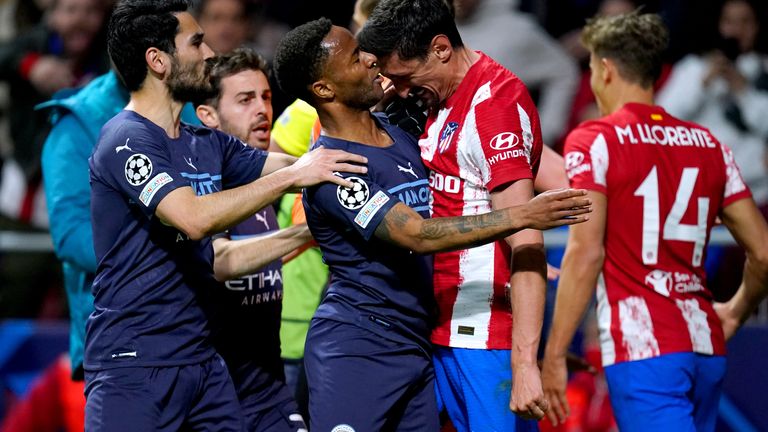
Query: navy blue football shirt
pixel 247 328
pixel 374 284
pixel 153 287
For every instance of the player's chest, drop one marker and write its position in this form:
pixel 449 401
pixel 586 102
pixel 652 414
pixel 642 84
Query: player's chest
pixel 404 176
pixel 202 169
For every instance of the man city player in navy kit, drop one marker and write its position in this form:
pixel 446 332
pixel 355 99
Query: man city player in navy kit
pixel 368 355
pixel 249 256
pixel 157 194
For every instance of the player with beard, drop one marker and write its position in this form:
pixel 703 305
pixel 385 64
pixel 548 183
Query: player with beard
pixel 368 353
pixel 249 256
pixel 158 192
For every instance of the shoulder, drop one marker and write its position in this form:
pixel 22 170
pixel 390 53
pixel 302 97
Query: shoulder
pixel 132 134
pixel 329 143
pixel 586 133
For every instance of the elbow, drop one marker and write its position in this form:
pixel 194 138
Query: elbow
pixel 759 259
pixel 197 228
pixel 420 247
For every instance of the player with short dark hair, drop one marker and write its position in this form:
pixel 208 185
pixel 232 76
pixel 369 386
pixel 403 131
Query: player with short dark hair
pixel 658 184
pixel 482 144
pixel 248 257
pixel 159 190
pixel 368 353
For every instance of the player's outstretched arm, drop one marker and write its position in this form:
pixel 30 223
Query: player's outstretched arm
pixel 202 216
pixel 750 230
pixel 406 228
pixel 237 258
pixel 582 262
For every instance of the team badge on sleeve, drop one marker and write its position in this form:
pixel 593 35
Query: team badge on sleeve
pixel 138 168
pixel 354 197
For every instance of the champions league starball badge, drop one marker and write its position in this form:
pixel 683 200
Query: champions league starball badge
pixel 352 198
pixel 138 169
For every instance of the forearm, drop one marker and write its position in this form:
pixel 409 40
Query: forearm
pixel 528 296
pixel 753 289
pixel 406 228
pixel 578 279
pixel 277 161
pixel 204 216
pixel 236 258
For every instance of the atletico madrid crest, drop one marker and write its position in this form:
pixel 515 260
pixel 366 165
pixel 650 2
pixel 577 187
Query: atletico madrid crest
pixel 446 136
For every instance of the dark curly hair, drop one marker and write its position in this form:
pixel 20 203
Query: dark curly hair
pixel 134 27
pixel 300 58
pixel 407 27
pixel 636 42
pixel 223 66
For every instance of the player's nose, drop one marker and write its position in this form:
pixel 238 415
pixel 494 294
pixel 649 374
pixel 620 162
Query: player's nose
pixel 368 59
pixel 207 51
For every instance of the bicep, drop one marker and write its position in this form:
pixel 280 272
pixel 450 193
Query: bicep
pixel 175 208
pixel 588 237
pixel 551 173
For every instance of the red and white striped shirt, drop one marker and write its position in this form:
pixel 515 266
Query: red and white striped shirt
pixel 486 136
pixel 666 180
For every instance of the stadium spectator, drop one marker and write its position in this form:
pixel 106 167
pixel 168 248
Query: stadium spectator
pixel 63 51
pixel 726 90
pixel 657 184
pixel 249 256
pixel 517 42
pixel 373 325
pixel 482 142
pixel 225 23
pixel 155 277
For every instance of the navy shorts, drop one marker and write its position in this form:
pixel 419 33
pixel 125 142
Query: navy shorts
pixel 198 397
pixel 360 381
pixel 283 417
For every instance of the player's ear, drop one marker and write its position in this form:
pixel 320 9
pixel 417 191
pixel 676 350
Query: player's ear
pixel 441 47
pixel 157 60
pixel 609 70
pixel 208 116
pixel 322 90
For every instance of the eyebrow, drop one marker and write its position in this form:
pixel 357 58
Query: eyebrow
pixel 197 38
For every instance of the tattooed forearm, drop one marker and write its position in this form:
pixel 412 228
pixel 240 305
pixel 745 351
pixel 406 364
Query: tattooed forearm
pixel 406 228
pixel 481 225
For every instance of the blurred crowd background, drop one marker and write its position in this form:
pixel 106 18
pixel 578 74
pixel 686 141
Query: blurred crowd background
pixel 716 74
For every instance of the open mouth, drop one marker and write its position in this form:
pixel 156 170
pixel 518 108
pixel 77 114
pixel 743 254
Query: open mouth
pixel 261 131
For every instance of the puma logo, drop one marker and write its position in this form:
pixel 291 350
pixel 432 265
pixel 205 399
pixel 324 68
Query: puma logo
pixel 188 160
pixel 263 219
pixel 123 147
pixel 407 170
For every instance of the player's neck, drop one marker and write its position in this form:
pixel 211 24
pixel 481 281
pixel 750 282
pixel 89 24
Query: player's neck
pixel 623 94
pixel 352 124
pixel 154 102
pixel 463 59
